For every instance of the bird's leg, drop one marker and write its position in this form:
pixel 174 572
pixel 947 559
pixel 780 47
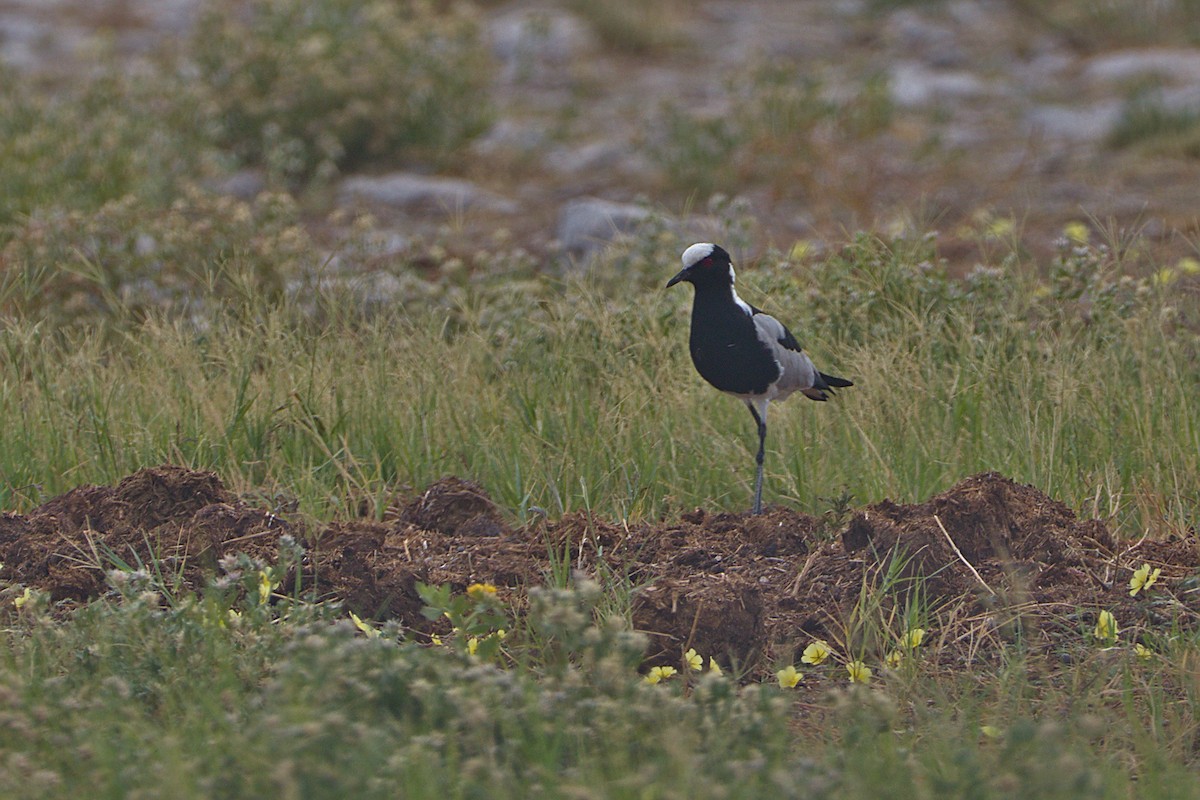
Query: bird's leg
pixel 761 422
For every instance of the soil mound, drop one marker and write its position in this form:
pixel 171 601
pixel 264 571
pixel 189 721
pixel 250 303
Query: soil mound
pixel 990 557
pixel 184 518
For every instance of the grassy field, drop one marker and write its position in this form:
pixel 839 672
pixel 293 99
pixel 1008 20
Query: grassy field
pixel 147 321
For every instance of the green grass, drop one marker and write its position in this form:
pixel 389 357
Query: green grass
pixel 782 125
pixel 577 395
pixel 638 27
pixel 306 89
pixel 145 320
pixel 1146 122
pixel 132 697
pixel 1095 27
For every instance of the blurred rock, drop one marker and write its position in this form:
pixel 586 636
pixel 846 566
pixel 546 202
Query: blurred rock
pixel 1185 98
pixel 1086 124
pixel 411 193
pixel 535 45
pixel 914 33
pixel 586 224
pixel 1177 65
pixel 245 184
pixel 510 136
pixel 28 43
pixel 176 16
pixel 605 155
pixel 914 85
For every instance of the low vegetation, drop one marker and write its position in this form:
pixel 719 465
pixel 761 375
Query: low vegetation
pixel 148 319
pixel 306 91
pixel 781 127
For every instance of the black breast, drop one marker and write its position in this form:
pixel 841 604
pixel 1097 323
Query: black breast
pixel 727 351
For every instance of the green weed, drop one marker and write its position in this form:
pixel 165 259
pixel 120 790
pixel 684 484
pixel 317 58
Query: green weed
pixel 132 696
pixel 777 127
pixel 1095 27
pixel 633 26
pixel 1146 122
pixel 306 90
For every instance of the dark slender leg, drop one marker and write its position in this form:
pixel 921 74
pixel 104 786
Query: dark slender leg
pixel 758 459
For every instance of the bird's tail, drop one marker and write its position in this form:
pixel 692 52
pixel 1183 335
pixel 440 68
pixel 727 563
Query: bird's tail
pixel 824 385
pixel 832 381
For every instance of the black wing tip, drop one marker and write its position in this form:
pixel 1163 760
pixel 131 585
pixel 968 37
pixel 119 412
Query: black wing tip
pixel 834 382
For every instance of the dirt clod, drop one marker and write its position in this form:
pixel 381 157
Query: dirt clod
pixel 454 506
pixel 988 556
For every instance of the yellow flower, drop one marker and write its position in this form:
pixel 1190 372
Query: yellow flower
pixel 25 597
pixel 1188 266
pixel 1143 578
pixel 894 659
pixel 990 731
pixel 1142 651
pixel 1001 227
pixel 435 639
pixel 692 660
pixel 912 640
pixel 501 634
pixel 481 591
pixel 1106 627
pixel 657 674
pixel 714 667
pixel 265 586
pixel 788 677
pixel 472 644
pixel 859 672
pixel 816 653
pixel 800 249
pixel 1077 232
pixel 362 626
pixel 234 615
pixel 1164 277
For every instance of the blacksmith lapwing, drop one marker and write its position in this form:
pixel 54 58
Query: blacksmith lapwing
pixel 742 351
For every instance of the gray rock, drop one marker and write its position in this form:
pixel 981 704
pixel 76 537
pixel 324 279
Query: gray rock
pixel 535 44
pixel 1087 124
pixel 1185 98
pixel 176 16
pixel 915 85
pixel 385 244
pixel 605 156
pixel 245 184
pixel 29 44
pixel 510 136
pixel 914 33
pixel 1047 66
pixel 422 193
pixel 586 224
pixel 1178 65
pixel 973 14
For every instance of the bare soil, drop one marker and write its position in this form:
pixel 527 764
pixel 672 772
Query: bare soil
pixel 995 560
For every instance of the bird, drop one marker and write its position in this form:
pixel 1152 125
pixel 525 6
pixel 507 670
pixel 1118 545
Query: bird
pixel 743 351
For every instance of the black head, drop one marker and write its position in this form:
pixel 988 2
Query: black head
pixel 705 264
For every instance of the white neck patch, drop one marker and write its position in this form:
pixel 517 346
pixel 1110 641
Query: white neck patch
pixel 744 305
pixel 697 253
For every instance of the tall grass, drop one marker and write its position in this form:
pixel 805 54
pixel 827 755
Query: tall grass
pixel 577 393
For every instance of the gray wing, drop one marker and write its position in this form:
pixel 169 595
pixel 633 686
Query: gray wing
pixel 798 372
